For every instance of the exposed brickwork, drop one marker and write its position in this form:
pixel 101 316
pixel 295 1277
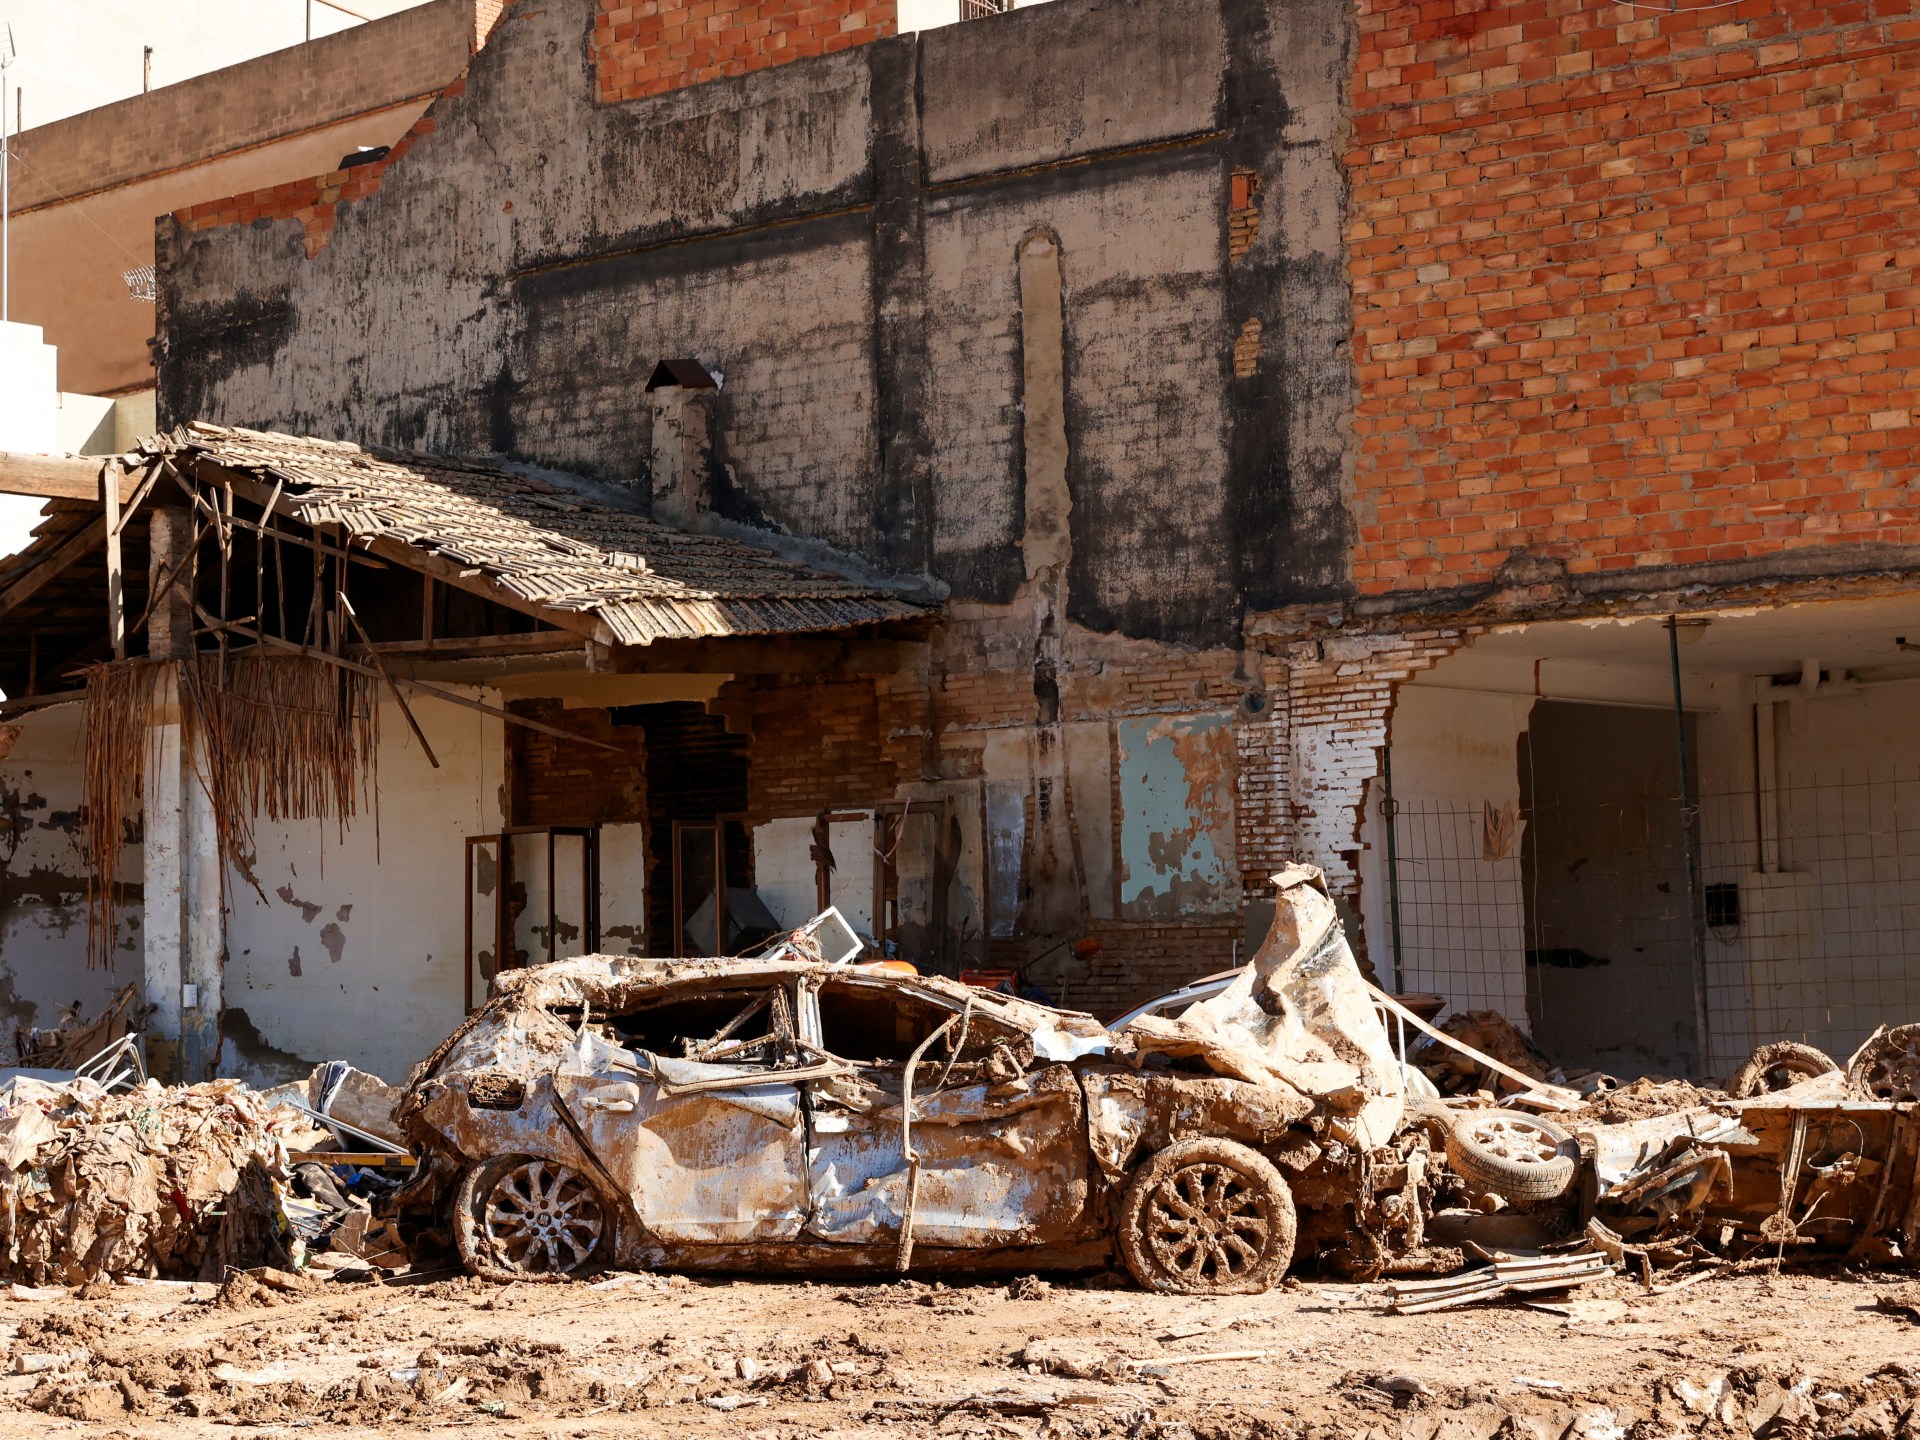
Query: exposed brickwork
pixel 1339 696
pixel 1246 348
pixel 1263 799
pixel 314 202
pixel 816 745
pixel 645 47
pixel 1243 212
pixel 561 782
pixel 1632 287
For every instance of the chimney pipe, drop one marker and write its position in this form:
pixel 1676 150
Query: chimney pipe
pixel 680 394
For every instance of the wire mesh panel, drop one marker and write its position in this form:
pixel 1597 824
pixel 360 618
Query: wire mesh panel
pixel 1584 931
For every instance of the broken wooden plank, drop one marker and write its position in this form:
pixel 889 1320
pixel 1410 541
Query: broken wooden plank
pixel 1554 1095
pixel 55 477
pixel 116 582
pixel 79 543
pixel 393 689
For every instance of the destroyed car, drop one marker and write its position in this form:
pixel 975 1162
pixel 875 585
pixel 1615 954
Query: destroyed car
pixel 1830 1160
pixel 784 1113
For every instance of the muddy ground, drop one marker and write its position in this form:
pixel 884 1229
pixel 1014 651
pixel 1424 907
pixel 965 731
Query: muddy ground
pixel 1793 1354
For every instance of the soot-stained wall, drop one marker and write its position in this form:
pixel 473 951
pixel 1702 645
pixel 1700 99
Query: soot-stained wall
pixel 837 238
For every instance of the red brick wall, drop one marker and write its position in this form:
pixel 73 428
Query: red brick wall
pixel 644 47
pixel 816 745
pixel 562 782
pixel 1632 287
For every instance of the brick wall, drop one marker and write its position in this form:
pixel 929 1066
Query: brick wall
pixel 314 201
pixel 644 47
pixel 1632 287
pixel 1339 697
pixel 562 782
pixel 1139 961
pixel 816 745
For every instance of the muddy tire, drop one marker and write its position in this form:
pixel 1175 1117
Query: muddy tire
pixel 1887 1067
pixel 1207 1217
pixel 1775 1067
pixel 519 1217
pixel 1516 1157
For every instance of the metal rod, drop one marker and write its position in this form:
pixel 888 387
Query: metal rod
pixel 1690 825
pixel 1390 809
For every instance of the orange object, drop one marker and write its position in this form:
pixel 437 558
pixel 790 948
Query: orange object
pixel 892 967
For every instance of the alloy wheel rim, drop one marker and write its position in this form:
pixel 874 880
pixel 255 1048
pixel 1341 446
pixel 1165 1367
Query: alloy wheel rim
pixel 543 1218
pixel 1206 1223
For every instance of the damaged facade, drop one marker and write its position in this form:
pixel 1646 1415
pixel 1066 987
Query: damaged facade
pixel 1300 390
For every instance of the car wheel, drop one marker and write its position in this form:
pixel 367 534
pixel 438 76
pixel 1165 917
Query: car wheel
pixel 1207 1217
pixel 1775 1067
pixel 518 1217
pixel 1516 1157
pixel 1887 1067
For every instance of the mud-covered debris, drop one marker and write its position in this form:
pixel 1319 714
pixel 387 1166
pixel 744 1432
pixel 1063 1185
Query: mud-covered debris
pixel 1649 1096
pixel 180 1182
pixel 1903 1301
pixel 1075 1358
pixel 1489 1032
pixel 1028 1287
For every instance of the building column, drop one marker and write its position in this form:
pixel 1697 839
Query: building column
pixel 185 928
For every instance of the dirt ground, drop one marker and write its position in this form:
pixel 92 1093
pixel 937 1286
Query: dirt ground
pixel 1791 1354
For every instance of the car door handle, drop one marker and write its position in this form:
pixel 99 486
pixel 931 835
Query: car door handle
pixel 615 1099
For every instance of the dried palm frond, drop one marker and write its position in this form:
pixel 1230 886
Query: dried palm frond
pixel 285 736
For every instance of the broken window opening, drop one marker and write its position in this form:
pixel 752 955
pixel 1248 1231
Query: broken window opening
pixel 533 892
pixel 875 1025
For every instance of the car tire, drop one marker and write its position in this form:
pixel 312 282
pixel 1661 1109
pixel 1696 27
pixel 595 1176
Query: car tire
pixel 1517 1157
pixel 1207 1217
pixel 1887 1067
pixel 524 1218
pixel 1788 1059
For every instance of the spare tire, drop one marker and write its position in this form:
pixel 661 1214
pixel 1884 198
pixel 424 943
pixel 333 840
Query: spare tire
pixel 1775 1067
pixel 1517 1157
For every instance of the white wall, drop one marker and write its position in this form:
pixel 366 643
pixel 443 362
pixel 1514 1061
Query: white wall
pixel 356 951
pixel 43 889
pixel 1462 918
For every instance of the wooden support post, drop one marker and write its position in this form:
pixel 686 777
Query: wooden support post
pixel 116 580
pixel 170 566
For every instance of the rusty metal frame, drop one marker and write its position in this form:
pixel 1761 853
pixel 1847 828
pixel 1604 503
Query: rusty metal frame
pixel 890 819
pixel 501 840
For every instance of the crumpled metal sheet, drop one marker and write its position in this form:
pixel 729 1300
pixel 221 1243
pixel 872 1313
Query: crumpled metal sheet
pixel 1298 1017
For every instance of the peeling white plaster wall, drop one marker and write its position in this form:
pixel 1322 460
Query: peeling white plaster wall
pixel 43 889
pixel 1462 917
pixel 356 951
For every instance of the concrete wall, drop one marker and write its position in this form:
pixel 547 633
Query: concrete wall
pixel 43 887
pixel 355 951
pixel 837 238
pixel 86 189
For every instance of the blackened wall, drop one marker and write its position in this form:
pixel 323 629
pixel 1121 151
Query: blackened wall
pixel 837 238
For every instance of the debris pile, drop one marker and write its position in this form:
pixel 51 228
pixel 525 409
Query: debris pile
pixel 180 1183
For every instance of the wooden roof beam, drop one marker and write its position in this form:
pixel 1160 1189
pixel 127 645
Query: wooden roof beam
pixel 57 477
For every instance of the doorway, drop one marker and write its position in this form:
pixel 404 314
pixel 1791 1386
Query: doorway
pixel 1609 956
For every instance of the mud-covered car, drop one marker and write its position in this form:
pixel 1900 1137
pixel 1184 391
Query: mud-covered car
pixel 781 1113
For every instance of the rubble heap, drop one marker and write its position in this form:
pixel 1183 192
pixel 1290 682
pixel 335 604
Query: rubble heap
pixel 157 1182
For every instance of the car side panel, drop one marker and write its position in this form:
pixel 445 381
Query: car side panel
pixel 1001 1164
